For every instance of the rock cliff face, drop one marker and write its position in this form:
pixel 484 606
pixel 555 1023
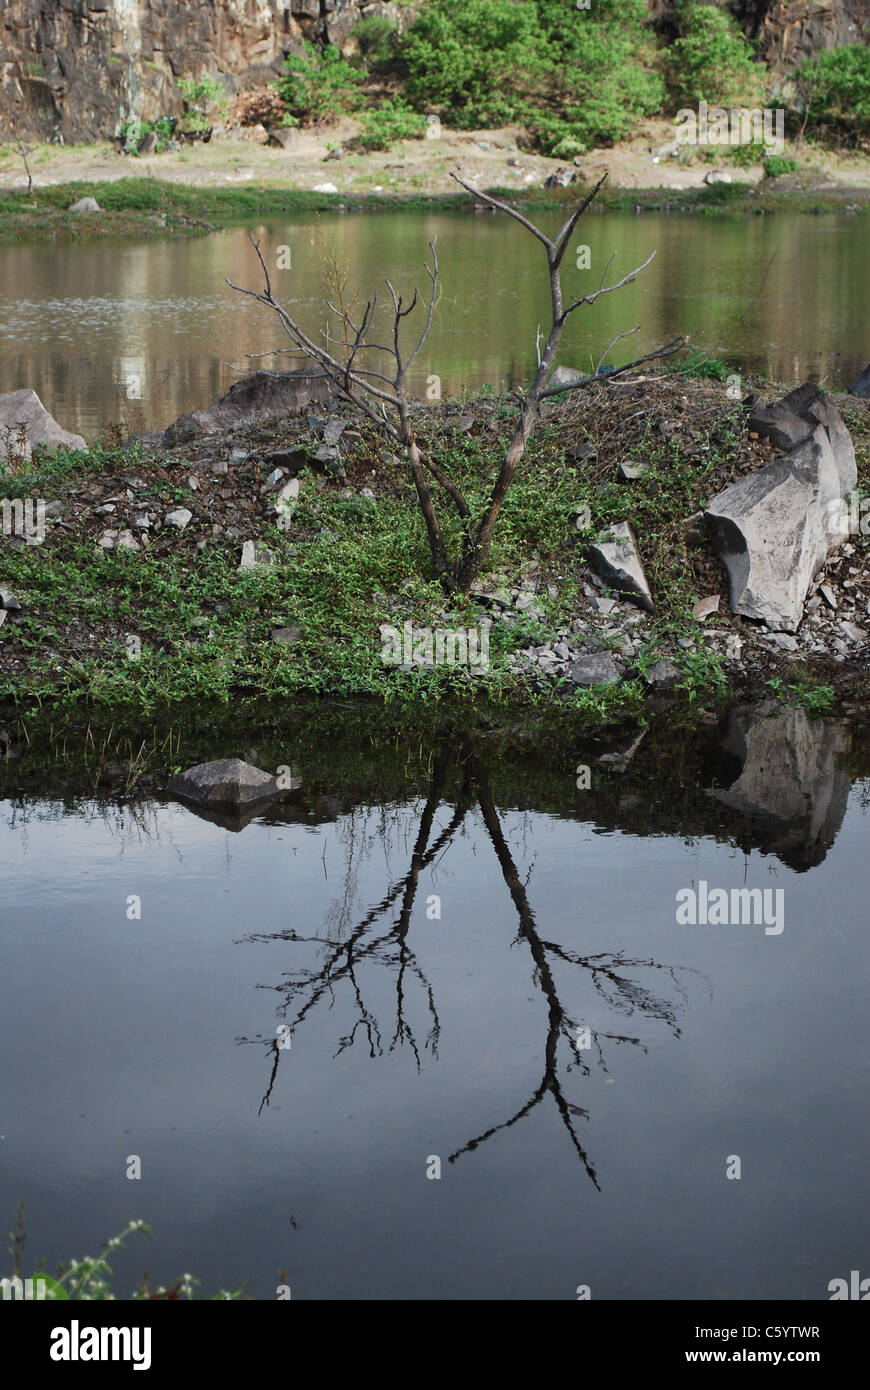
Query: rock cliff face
pixel 788 31
pixel 76 69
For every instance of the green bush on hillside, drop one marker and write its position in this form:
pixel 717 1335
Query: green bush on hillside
pixel 836 85
pixel 776 164
pixel 391 121
pixel 573 78
pixel 317 87
pixel 470 57
pixel 376 38
pixel 711 60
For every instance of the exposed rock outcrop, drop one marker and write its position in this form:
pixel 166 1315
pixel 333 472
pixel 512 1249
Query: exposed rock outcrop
pixel 773 528
pixel 255 399
pixel 77 69
pixel 615 558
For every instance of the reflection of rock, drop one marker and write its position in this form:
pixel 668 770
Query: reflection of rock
pixel 792 787
pixel 229 792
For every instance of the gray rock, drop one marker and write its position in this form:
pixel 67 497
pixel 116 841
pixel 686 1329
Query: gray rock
pixel 333 430
pixel 284 137
pixel 85 205
pixel 828 595
pixel 181 517
pixel 615 558
pixel 662 675
pixel 716 176
pixel 596 668
pixel 810 403
pixel 630 472
pixel 256 399
pixel 127 541
pixel 603 605
pixel 256 553
pixel 8 602
pixel 782 427
pixel 228 782
pixel 287 636
pixel 705 607
pixel 772 529
pixel 564 377
pixel 25 408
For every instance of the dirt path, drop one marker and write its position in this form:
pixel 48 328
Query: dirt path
pixel 491 158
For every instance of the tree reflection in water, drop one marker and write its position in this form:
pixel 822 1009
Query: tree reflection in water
pixel 613 976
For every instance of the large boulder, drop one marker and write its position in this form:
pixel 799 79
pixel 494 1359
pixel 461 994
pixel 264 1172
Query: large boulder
pixel 255 399
pixel 773 528
pixel 24 408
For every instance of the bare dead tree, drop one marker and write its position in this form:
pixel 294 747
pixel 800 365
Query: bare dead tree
pixel 383 396
pixel 24 151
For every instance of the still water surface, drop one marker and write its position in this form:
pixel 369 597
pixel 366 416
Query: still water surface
pixel 100 328
pixel 416 1036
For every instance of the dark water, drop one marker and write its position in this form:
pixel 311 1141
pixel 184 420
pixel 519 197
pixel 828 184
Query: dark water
pixel 105 330
pixel 415 1036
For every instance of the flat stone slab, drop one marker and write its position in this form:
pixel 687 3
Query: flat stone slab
pixel 596 668
pixel 615 558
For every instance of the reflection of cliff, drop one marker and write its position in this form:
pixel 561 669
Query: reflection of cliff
pixel 792 788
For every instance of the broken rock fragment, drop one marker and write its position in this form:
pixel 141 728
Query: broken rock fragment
pixel 614 556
